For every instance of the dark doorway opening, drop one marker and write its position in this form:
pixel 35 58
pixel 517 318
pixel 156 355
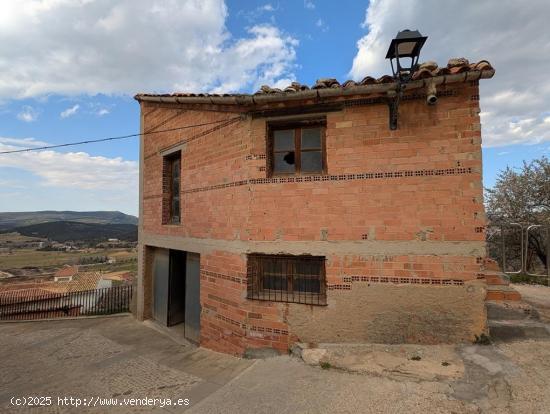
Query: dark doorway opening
pixel 176 275
pixel 176 288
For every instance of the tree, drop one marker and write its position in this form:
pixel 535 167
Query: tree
pixel 523 197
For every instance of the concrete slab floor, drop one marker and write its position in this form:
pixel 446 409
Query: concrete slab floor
pixel 120 357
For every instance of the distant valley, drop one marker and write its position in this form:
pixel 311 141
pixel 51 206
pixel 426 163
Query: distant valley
pixel 64 226
pixel 64 231
pixel 34 245
pixel 11 220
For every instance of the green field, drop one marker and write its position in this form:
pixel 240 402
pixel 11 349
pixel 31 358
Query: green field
pixel 17 238
pixel 32 258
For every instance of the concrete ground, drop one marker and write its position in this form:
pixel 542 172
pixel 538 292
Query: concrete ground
pixel 505 378
pixel 537 296
pixel 105 357
pixel 120 357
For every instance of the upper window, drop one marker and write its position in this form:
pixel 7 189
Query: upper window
pixel 297 148
pixel 284 278
pixel 172 176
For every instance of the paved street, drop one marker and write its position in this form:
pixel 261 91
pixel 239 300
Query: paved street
pixel 105 357
pixel 119 357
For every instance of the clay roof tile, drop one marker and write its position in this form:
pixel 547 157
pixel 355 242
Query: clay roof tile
pixel 349 83
pixel 385 79
pixel 368 80
pixel 426 70
pixel 454 62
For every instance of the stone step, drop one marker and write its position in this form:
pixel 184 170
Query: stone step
pixel 510 330
pixel 501 292
pixel 510 310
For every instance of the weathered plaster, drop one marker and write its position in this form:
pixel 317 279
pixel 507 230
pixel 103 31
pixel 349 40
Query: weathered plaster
pixel 384 313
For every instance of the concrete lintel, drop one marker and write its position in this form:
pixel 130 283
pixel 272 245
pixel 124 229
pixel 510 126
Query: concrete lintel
pixel 320 248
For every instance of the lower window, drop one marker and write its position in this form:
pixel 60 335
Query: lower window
pixel 285 278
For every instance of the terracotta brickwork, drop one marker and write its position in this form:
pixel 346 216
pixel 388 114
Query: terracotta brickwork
pixel 396 208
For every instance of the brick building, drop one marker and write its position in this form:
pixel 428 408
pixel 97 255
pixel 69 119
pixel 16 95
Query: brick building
pixel 298 215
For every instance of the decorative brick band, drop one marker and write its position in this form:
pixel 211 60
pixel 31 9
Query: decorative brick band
pixel 255 157
pixel 267 330
pixel 240 280
pixel 245 326
pixel 339 177
pixel 338 287
pixel 231 321
pixel 402 280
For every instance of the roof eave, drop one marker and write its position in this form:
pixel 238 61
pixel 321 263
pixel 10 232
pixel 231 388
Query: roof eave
pixel 247 100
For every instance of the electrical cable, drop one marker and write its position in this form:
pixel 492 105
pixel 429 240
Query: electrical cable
pixel 114 138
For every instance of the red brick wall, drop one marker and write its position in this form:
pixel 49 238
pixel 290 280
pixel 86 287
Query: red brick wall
pixel 420 183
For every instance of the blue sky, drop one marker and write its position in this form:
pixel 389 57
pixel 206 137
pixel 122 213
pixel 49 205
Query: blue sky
pixel 70 68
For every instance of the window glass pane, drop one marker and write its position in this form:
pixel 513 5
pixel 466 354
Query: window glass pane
pixel 307 285
pixel 175 209
pixel 311 138
pixel 274 274
pixel 284 162
pixel 312 161
pixel 274 281
pixel 176 168
pixel 175 187
pixel 283 140
pixel 307 276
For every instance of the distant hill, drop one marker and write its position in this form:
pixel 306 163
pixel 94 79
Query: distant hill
pixel 20 219
pixel 62 231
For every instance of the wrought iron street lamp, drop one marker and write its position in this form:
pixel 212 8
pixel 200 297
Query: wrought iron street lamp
pixel 406 44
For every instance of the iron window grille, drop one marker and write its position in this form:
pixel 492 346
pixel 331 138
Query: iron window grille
pixel 297 148
pixel 286 278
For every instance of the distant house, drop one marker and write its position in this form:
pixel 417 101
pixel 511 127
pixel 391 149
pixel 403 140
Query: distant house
pixel 41 303
pixel 70 294
pixel 79 282
pixel 65 274
pixel 88 283
pixel 120 276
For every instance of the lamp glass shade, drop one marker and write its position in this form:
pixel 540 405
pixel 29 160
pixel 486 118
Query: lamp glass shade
pixel 405 48
pixel 407 43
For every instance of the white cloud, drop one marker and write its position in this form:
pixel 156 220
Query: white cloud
pixel 516 101
pixel 28 114
pixel 76 170
pixel 308 4
pixel 320 23
pixel 124 47
pixel 69 111
pixel 57 180
pixel 103 111
pixel 22 142
pixel 254 14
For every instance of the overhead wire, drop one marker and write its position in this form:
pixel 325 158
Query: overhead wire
pixel 91 141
